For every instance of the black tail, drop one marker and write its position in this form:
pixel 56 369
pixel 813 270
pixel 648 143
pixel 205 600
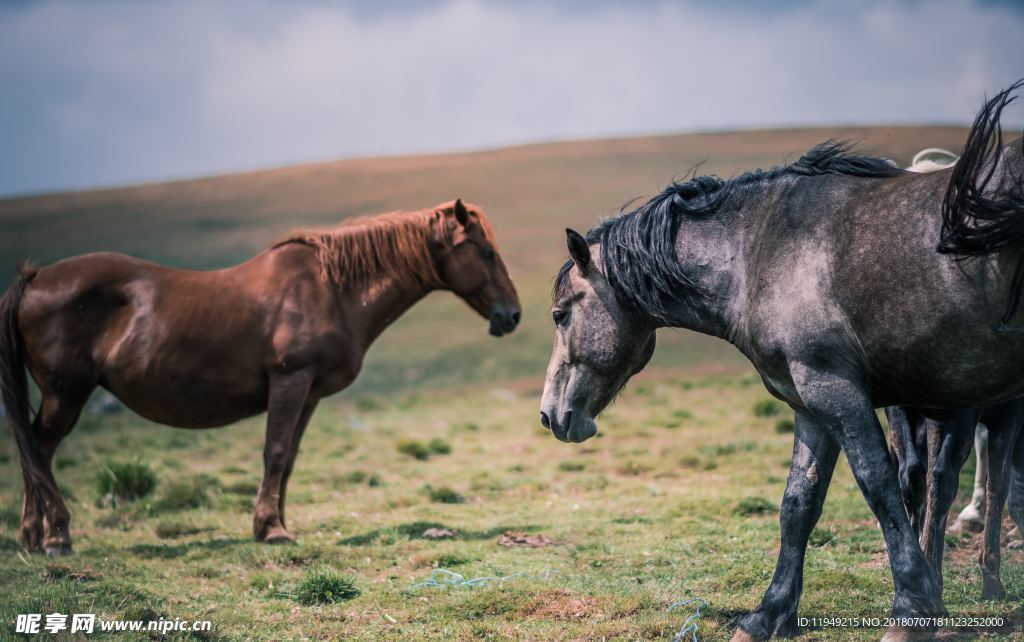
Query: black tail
pixel 983 211
pixel 13 378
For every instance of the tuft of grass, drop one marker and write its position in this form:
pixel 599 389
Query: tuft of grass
pixel 749 506
pixel 444 495
pixel 323 585
pixel 634 468
pixel 184 494
pixel 821 537
pixel 767 408
pixel 171 529
pixel 784 426
pixel 439 446
pixel 126 480
pixel 356 477
pixel 571 466
pixel 414 448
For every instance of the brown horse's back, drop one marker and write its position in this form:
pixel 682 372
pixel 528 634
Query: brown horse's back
pixel 183 348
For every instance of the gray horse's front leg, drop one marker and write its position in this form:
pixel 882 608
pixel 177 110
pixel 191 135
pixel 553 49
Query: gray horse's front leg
pixel 814 458
pixel 845 410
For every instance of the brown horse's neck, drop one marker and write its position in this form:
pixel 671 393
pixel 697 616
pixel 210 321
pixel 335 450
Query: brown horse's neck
pixel 380 266
pixel 383 301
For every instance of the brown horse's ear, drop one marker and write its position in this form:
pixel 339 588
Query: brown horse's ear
pixel 461 213
pixel 578 249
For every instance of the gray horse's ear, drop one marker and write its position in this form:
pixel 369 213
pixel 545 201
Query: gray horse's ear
pixel 578 249
pixel 461 213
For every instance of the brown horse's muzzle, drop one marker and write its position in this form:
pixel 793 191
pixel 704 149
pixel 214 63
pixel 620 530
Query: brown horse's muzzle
pixel 504 319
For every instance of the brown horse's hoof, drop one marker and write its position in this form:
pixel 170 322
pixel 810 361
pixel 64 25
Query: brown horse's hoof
pixel 742 636
pixel 903 634
pixel 278 535
pixel 58 550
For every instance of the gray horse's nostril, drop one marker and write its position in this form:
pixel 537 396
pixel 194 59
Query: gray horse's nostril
pixel 516 316
pixel 545 421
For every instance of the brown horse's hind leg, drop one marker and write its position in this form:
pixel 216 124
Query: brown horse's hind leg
pixel 285 411
pixel 45 521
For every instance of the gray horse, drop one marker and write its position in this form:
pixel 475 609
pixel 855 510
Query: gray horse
pixel 792 265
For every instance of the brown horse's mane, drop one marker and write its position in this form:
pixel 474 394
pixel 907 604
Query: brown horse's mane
pixel 395 245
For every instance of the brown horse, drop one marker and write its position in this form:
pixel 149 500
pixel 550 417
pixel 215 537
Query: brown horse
pixel 204 349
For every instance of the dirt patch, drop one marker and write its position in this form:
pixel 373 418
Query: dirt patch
pixel 440 533
pixel 878 560
pixel 518 538
pixel 564 605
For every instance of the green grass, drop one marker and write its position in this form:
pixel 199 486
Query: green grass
pixel 126 480
pixel 323 585
pixel 414 448
pixel 633 527
pixel 768 408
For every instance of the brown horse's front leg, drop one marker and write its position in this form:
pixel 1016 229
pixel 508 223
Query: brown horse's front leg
pixel 300 429
pixel 285 408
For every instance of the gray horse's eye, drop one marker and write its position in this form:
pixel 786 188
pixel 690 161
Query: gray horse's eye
pixel 558 316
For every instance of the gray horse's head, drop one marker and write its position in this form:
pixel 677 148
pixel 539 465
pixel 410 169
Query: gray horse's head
pixel 599 345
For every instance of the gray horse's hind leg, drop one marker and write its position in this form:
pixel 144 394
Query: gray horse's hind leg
pixel 1005 422
pixel 814 458
pixel 995 497
pixel 948 445
pixel 903 431
pixel 1016 500
pixel 929 491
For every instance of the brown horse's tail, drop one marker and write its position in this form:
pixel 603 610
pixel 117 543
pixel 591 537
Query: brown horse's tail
pixel 13 378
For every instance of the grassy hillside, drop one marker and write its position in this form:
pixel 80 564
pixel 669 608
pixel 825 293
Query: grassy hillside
pixel 530 192
pixel 677 496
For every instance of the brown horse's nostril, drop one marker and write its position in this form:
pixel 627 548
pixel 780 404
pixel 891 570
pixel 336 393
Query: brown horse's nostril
pixel 544 420
pixel 516 316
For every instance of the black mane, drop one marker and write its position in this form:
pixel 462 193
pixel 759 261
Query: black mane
pixel 638 248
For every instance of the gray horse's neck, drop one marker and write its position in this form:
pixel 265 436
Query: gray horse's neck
pixel 715 251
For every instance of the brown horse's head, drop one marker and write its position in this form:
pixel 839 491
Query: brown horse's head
pixel 469 265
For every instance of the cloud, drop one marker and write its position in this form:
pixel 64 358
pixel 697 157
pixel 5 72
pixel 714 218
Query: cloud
pixel 108 92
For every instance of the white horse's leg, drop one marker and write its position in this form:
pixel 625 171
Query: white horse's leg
pixel 972 517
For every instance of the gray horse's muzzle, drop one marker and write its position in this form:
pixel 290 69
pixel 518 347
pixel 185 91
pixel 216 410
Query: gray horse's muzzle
pixel 574 427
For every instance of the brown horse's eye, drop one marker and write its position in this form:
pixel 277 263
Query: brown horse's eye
pixel 488 253
pixel 558 316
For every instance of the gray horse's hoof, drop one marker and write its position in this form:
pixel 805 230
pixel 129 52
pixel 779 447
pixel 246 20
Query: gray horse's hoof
pixel 742 636
pixel 902 634
pixel 993 590
pixel 58 551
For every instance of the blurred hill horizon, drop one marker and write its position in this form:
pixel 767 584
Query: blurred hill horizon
pixel 531 193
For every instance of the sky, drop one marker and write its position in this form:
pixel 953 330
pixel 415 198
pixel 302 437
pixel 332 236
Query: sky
pixel 106 93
